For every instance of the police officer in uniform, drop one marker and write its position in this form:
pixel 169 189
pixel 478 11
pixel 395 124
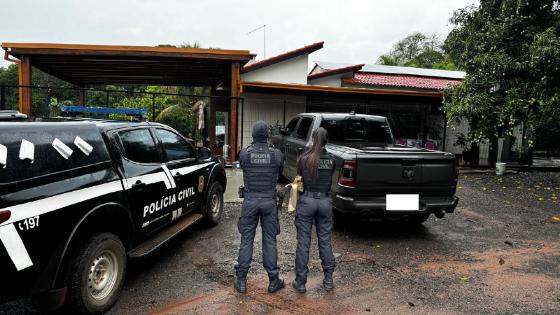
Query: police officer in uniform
pixel 316 166
pixel 261 164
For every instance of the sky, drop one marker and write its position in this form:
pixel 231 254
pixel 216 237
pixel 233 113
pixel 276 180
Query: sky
pixel 354 31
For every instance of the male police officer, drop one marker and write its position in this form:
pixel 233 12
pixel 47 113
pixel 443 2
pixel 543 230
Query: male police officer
pixel 261 165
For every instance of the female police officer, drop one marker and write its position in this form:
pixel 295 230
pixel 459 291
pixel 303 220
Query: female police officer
pixel 316 166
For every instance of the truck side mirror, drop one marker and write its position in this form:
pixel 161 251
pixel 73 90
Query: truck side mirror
pixel 204 153
pixel 284 131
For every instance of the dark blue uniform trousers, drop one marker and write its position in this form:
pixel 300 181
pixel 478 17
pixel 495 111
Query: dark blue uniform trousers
pixel 253 209
pixel 319 211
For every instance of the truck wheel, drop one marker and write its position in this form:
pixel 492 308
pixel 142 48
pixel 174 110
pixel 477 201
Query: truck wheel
pixel 419 218
pixel 96 274
pixel 214 204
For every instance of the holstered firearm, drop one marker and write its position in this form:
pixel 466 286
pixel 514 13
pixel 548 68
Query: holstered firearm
pixel 280 195
pixel 240 191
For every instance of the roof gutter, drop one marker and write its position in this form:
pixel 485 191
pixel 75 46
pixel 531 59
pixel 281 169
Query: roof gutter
pixel 7 57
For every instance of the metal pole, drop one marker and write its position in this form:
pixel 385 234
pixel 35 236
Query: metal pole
pixel 153 107
pixel 2 97
pixel 284 118
pixel 444 131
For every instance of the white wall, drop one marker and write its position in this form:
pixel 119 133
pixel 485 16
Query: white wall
pixel 269 108
pixel 454 128
pixel 293 70
pixel 331 80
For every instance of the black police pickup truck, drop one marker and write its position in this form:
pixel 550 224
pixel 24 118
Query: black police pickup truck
pixel 376 178
pixel 77 198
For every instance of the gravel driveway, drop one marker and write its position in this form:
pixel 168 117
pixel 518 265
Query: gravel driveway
pixel 498 253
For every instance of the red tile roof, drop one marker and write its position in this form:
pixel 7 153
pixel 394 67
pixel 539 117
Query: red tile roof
pixel 419 82
pixel 285 56
pixel 334 71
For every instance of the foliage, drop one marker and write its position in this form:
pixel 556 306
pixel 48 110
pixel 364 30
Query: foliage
pixel 9 75
pixel 179 117
pixel 418 50
pixel 510 50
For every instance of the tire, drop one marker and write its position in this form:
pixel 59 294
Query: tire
pixel 102 262
pixel 214 206
pixel 419 218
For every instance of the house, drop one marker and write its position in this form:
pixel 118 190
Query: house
pixel 278 88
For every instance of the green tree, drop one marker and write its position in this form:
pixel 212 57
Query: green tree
pixel 418 50
pixel 9 75
pixel 510 50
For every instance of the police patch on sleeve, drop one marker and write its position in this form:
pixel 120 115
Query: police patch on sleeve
pixel 260 158
pixel 326 164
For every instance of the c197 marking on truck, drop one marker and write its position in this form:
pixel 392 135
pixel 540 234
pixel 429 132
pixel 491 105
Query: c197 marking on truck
pixel 29 223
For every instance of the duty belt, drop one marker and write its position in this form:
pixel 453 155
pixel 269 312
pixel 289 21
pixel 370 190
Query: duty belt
pixel 315 194
pixel 259 194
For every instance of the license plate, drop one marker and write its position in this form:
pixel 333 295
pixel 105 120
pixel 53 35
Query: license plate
pixel 402 202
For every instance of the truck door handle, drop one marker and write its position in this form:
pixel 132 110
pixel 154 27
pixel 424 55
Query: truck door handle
pixel 299 150
pixel 138 184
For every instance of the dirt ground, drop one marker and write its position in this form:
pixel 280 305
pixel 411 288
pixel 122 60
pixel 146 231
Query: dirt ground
pixel 498 253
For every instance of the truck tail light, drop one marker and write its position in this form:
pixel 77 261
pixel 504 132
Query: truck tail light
pixel 5 215
pixel 456 178
pixel 347 176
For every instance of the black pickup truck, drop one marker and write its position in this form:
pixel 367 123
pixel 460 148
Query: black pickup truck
pixel 376 178
pixel 78 198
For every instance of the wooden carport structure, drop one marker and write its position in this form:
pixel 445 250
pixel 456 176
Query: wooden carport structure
pixel 84 65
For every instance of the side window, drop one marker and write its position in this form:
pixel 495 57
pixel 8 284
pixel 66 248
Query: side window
pixel 303 128
pixel 139 146
pixel 292 125
pixel 175 147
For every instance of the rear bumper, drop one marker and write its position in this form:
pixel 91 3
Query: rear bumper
pixel 377 205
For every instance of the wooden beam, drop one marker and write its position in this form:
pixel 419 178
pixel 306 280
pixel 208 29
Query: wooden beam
pixel 233 143
pixel 121 48
pixel 212 123
pixel 83 98
pixel 24 70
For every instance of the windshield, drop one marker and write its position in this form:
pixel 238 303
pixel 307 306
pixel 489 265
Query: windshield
pixel 357 129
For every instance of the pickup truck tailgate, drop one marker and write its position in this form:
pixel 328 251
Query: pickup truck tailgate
pixel 427 173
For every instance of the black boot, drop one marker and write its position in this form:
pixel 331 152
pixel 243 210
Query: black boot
pixel 328 283
pixel 300 288
pixel 275 285
pixel 240 283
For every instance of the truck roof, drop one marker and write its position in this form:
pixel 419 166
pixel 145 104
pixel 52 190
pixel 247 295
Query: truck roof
pixel 102 124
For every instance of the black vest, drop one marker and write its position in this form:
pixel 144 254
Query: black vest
pixel 260 170
pixel 321 183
